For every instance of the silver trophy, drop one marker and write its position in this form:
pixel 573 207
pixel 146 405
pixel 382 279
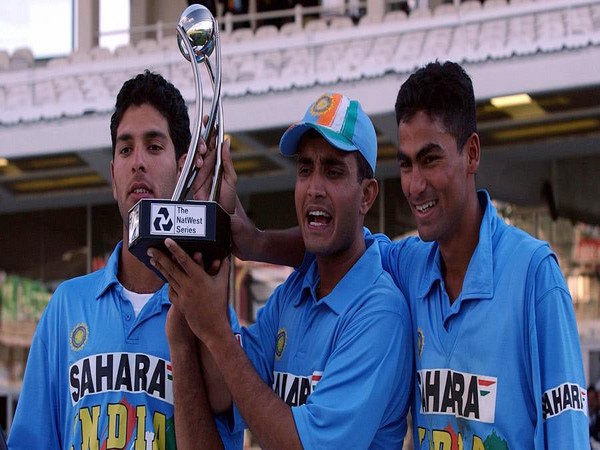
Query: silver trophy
pixel 202 226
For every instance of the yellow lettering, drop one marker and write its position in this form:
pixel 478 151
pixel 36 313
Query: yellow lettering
pixel 89 427
pixel 421 435
pixel 478 443
pixel 160 431
pixel 140 435
pixel 442 440
pixel 117 426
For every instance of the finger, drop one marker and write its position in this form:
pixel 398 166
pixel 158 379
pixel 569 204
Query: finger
pixel 228 168
pixel 224 270
pixel 201 150
pixel 197 257
pixel 165 266
pixel 187 264
pixel 173 296
pixel 215 265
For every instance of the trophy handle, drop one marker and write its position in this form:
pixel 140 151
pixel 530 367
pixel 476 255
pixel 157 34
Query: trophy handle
pixel 189 171
pixel 216 108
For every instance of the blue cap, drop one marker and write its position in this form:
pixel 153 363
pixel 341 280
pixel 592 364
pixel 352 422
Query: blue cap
pixel 341 121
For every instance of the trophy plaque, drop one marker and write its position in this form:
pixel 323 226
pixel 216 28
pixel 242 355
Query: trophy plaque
pixel 197 226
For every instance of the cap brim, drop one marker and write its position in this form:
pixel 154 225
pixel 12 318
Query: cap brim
pixel 288 145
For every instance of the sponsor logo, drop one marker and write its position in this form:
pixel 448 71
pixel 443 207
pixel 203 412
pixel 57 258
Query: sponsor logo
pixel 281 341
pixel 124 372
pixel 562 398
pixel 79 336
pixel 464 395
pixel 294 389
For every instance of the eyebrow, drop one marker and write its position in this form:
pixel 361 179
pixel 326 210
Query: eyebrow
pixel 423 151
pixel 325 161
pixel 147 135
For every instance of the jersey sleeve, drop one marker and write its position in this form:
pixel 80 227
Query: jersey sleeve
pixel 370 367
pixel 37 408
pixel 395 257
pixel 562 392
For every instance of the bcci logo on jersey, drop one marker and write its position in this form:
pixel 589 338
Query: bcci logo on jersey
pixel 460 394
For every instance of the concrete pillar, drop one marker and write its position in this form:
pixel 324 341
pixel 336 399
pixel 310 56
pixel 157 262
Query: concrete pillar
pixel 138 16
pixel 87 24
pixel 376 9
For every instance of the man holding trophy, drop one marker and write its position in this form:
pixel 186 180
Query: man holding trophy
pixel 328 363
pixel 99 373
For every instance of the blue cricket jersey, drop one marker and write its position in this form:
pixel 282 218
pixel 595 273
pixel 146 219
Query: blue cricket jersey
pixel 97 376
pixel 501 366
pixel 342 363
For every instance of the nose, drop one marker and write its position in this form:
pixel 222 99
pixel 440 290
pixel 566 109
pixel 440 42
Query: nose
pixel 316 187
pixel 138 160
pixel 416 181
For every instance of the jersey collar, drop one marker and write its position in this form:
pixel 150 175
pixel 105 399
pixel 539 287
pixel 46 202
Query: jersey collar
pixel 109 276
pixel 479 279
pixel 363 273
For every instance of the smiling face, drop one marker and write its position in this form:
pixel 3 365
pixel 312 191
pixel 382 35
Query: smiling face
pixel 437 180
pixel 144 164
pixel 330 201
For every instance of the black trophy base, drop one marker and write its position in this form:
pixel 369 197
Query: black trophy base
pixel 197 226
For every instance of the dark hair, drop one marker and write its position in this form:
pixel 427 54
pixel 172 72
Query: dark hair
pixel 444 92
pixel 364 168
pixel 153 89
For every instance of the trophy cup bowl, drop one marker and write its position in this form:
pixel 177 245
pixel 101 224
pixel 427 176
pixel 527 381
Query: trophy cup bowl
pixel 199 25
pixel 197 226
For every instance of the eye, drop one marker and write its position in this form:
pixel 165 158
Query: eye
pixel 335 173
pixel 302 170
pixel 429 159
pixel 125 151
pixel 404 164
pixel 155 148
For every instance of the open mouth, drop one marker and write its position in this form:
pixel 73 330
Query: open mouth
pixel 424 207
pixel 318 218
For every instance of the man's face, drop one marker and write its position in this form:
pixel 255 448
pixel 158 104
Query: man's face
pixel 435 177
pixel 144 164
pixel 330 202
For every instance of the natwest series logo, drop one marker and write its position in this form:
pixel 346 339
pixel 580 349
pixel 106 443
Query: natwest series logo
pixel 563 398
pixel 125 372
pixel 460 394
pixel 294 389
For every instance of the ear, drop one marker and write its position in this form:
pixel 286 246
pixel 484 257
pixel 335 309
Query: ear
pixel 180 163
pixel 112 179
pixel 473 153
pixel 370 189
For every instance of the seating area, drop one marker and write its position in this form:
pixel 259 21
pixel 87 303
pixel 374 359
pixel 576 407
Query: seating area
pixel 323 51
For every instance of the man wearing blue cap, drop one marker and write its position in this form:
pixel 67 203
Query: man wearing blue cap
pixel 328 364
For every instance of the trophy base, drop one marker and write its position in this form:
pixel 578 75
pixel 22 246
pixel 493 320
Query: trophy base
pixel 197 226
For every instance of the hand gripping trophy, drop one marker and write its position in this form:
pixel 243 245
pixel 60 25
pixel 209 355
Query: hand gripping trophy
pixel 202 226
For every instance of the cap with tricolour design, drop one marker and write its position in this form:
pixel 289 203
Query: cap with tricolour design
pixel 341 121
